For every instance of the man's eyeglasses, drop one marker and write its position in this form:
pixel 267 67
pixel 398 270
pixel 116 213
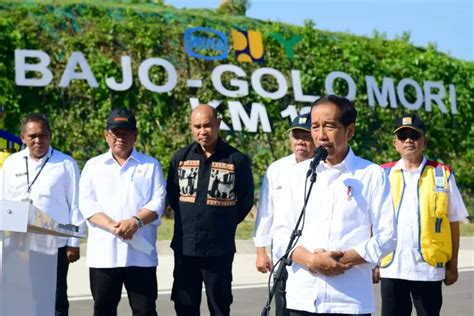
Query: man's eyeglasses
pixel 34 136
pixel 404 134
pixel 120 134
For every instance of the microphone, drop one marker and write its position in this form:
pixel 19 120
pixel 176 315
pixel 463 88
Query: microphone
pixel 319 154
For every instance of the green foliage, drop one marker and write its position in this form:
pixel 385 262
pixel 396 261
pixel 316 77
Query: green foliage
pixel 106 31
pixel 234 7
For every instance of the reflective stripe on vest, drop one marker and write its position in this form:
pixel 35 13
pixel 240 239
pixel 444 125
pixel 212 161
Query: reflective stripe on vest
pixel 434 231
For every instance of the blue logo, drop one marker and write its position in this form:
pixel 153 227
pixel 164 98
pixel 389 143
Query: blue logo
pixel 206 43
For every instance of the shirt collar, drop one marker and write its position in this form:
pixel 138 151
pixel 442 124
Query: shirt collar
pixel 133 155
pixel 26 153
pixel 219 145
pixel 293 159
pixel 349 163
pixel 400 165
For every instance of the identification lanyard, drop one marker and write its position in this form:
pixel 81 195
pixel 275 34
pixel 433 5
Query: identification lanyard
pixel 37 175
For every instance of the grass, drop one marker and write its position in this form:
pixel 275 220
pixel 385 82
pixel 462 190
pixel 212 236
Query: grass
pixel 165 231
pixel 467 229
pixel 245 229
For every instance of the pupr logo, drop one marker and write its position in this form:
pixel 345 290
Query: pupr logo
pixel 248 46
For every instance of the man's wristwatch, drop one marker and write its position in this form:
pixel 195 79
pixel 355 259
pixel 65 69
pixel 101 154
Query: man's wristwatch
pixel 139 221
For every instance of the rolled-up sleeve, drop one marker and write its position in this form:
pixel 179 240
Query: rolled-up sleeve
pixel 87 201
pixel 263 224
pixel 157 200
pixel 456 209
pixel 382 217
pixel 284 224
pixel 75 215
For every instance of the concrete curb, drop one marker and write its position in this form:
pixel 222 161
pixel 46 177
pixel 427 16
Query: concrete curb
pixel 244 271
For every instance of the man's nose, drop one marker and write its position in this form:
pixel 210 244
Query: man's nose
pixel 322 134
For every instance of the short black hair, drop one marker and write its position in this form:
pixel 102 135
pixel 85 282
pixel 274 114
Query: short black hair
pixel 35 117
pixel 348 112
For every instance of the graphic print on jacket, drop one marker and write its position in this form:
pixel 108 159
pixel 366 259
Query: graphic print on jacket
pixel 188 180
pixel 221 185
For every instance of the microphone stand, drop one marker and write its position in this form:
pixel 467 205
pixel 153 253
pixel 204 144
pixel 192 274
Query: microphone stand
pixel 285 260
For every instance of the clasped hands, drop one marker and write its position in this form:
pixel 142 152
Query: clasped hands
pixel 331 263
pixel 124 229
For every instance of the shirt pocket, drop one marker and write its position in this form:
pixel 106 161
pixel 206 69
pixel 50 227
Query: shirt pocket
pixel 188 176
pixel 142 187
pixel 349 205
pixel 278 196
pixel 221 190
pixel 440 204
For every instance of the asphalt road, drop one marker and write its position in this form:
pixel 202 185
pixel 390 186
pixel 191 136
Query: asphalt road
pixel 458 300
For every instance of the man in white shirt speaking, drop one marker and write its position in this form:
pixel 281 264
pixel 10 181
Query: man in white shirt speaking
pixel 349 223
pixel 50 179
pixel 269 206
pixel 122 196
pixel 428 209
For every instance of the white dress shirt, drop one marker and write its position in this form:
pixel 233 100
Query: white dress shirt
pixel 55 190
pixel 270 204
pixel 407 263
pixel 121 192
pixel 348 202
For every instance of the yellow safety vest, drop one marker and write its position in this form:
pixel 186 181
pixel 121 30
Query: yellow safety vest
pixel 434 230
pixel 3 156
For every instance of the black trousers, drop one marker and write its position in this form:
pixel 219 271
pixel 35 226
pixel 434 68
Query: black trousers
pixel 189 274
pixel 140 283
pixel 62 304
pixel 292 312
pixel 397 295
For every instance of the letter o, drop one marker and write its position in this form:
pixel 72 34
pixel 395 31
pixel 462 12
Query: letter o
pixel 401 94
pixel 281 81
pixel 144 70
pixel 329 83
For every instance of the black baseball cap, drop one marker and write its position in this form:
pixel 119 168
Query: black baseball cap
pixel 409 121
pixel 121 118
pixel 302 121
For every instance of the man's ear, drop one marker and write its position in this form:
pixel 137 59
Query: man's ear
pixel 425 141
pixel 351 131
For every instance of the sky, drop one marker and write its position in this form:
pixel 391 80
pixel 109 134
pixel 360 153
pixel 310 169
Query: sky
pixel 448 23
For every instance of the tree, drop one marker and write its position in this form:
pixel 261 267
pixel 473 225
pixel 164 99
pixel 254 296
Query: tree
pixel 234 7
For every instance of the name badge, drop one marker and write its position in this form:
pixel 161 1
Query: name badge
pixel 439 183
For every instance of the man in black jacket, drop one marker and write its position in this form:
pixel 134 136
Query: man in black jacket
pixel 210 189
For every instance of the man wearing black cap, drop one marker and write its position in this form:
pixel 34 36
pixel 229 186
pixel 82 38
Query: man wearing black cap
pixel 428 208
pixel 122 195
pixel 275 178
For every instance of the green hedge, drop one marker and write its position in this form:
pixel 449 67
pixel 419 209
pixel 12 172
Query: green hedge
pixel 104 32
